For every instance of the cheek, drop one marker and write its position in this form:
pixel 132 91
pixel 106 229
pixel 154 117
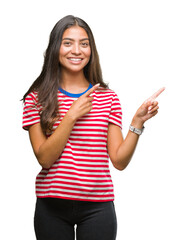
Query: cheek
pixel 88 53
pixel 62 52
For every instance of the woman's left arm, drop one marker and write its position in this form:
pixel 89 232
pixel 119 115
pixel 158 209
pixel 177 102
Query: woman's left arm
pixel 121 151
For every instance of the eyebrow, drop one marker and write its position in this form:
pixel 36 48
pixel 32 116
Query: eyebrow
pixel 71 39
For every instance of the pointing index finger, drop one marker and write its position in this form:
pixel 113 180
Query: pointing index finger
pixel 155 95
pixel 92 90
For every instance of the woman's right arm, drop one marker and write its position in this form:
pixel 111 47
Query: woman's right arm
pixel 48 150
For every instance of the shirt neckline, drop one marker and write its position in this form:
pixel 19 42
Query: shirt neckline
pixel 75 95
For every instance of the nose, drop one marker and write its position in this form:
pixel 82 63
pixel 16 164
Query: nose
pixel 76 49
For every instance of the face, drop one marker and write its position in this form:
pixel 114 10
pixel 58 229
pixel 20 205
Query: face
pixel 75 49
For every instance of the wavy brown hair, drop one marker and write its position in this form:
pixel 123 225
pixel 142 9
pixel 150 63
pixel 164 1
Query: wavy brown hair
pixel 47 83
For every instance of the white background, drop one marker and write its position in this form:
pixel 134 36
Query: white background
pixel 142 47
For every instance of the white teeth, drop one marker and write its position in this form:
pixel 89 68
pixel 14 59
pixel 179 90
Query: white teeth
pixel 75 59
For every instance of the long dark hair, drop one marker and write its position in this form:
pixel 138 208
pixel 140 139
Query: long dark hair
pixel 47 82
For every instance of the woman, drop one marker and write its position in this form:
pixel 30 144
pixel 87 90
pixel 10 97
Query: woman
pixel 74 124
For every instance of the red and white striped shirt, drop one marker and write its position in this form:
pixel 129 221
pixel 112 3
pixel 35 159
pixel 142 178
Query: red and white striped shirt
pixel 82 171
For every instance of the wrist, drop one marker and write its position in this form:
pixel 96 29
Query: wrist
pixel 71 118
pixel 137 123
pixel 137 131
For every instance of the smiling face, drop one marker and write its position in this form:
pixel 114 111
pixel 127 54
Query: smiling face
pixel 75 51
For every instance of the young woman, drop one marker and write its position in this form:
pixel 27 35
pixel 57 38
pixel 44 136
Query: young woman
pixel 74 122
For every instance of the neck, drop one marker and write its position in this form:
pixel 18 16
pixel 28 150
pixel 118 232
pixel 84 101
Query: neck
pixel 73 82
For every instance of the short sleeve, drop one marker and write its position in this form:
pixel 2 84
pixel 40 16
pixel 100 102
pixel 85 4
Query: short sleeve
pixel 30 111
pixel 115 115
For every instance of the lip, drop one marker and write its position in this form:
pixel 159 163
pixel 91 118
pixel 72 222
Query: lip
pixel 75 60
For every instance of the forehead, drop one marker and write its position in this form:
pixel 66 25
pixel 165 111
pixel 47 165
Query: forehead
pixel 75 32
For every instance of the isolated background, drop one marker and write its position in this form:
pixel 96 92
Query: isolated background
pixel 142 47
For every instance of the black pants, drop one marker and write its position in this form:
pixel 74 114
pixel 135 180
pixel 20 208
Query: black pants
pixel 55 219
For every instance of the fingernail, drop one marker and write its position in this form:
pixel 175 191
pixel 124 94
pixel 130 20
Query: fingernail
pixel 97 84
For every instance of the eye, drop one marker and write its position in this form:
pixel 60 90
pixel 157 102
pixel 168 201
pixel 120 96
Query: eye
pixel 84 44
pixel 67 43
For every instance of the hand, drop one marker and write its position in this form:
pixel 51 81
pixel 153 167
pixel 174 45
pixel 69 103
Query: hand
pixel 147 110
pixel 82 105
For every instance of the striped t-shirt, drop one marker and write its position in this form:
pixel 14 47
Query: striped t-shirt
pixel 82 171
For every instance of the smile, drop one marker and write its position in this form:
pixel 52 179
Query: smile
pixel 75 59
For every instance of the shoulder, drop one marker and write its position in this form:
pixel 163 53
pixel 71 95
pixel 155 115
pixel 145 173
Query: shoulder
pixel 32 97
pixel 105 91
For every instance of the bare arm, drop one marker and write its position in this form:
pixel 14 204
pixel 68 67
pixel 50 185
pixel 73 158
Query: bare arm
pixel 48 150
pixel 121 151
